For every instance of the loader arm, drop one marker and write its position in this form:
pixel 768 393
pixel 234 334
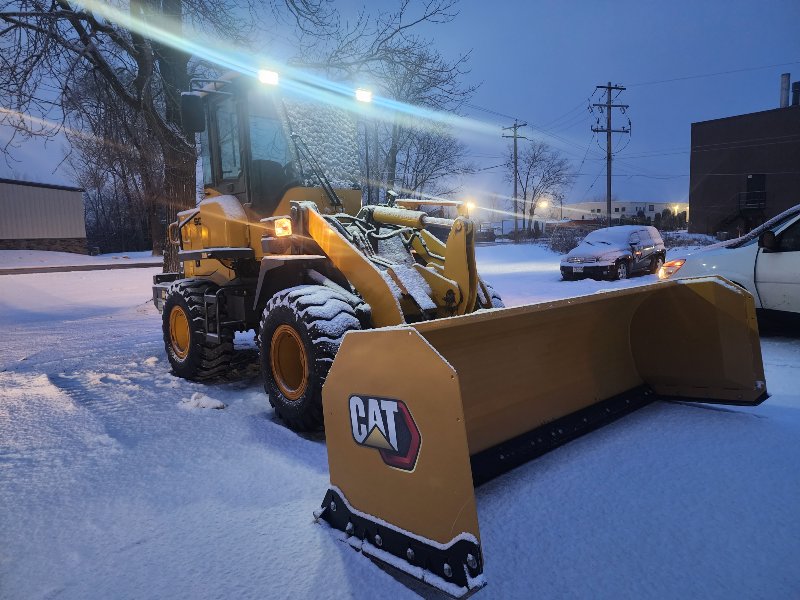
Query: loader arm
pixel 449 270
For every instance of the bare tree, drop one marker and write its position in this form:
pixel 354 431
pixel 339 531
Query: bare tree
pixel 383 49
pixel 428 163
pixel 542 175
pixel 104 74
pixel 50 49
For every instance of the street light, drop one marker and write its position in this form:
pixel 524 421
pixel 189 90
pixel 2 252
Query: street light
pixel 543 203
pixel 268 77
pixel 363 95
pixel 470 206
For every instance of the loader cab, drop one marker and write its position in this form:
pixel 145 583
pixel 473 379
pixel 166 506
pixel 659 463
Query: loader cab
pixel 244 143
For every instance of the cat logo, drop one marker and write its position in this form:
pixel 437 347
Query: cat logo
pixel 387 426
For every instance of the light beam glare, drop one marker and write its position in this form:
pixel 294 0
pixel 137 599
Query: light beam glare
pixel 292 79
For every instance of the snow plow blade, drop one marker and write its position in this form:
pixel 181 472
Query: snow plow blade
pixel 417 415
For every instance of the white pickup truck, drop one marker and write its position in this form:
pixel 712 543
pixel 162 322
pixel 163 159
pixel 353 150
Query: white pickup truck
pixel 766 262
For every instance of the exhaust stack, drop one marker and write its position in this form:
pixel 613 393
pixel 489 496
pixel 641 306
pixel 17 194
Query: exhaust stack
pixel 785 89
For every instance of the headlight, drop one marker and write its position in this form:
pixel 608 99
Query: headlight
pixel 283 227
pixel 670 268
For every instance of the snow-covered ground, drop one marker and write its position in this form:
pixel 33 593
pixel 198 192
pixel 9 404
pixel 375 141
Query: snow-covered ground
pixel 115 482
pixel 13 259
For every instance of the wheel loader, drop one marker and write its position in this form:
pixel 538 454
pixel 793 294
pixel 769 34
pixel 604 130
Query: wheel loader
pixel 367 321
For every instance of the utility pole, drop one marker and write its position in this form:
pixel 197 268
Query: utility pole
pixel 608 130
pixel 516 136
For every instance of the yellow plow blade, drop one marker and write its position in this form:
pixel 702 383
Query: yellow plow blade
pixel 416 415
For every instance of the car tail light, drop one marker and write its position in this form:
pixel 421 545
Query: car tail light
pixel 670 268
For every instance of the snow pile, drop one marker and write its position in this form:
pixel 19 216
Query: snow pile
pixel 11 259
pixel 200 400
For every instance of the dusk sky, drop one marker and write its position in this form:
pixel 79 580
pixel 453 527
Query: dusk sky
pixel 540 61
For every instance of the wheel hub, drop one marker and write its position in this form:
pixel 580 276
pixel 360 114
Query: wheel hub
pixel 288 362
pixel 179 333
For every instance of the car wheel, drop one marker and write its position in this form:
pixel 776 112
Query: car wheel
pixel 622 270
pixel 657 263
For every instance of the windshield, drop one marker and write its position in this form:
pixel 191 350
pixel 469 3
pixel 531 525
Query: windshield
pixel 268 140
pixel 774 223
pixel 618 237
pixel 330 134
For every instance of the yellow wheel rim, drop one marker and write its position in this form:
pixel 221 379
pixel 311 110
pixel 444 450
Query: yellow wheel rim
pixel 288 361
pixel 179 333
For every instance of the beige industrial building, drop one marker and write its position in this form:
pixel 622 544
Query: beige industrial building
pixel 596 210
pixel 38 216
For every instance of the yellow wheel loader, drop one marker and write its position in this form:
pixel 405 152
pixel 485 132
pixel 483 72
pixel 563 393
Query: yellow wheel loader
pixel 278 247
pixel 370 323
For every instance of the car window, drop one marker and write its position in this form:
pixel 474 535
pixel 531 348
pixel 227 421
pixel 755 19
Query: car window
pixel 645 236
pixel 774 224
pixel 790 238
pixel 635 239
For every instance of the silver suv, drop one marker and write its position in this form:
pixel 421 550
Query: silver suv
pixel 615 253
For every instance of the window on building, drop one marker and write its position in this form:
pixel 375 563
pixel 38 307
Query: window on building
pixel 616 209
pixel 652 208
pixel 623 209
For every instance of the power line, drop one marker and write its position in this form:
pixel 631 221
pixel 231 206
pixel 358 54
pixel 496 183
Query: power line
pixel 687 77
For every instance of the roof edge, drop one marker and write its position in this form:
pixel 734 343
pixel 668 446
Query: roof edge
pixel 50 186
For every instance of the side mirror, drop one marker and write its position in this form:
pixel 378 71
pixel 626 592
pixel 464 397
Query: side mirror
pixel 768 241
pixel 193 115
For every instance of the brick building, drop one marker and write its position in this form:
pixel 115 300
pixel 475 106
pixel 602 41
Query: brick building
pixel 744 169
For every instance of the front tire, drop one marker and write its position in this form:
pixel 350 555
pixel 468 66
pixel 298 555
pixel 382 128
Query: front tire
pixel 622 271
pixel 183 325
pixel 494 300
pixel 301 330
pixel 657 263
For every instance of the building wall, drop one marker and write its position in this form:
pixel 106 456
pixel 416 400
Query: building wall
pixel 41 217
pixel 597 209
pixel 725 151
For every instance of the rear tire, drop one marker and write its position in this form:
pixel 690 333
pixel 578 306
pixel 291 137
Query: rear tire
pixel 183 325
pixel 301 330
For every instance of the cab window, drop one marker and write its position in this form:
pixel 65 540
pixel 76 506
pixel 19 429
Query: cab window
pixel 267 137
pixel 205 154
pixel 230 155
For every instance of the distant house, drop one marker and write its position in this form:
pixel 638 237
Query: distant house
pixel 745 169
pixel 39 216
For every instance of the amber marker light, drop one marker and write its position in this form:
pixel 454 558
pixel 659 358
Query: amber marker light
pixel 670 268
pixel 283 227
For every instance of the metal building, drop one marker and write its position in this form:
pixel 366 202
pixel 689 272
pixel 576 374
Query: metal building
pixel 39 216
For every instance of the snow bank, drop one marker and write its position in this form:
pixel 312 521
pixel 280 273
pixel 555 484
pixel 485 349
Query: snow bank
pixel 11 259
